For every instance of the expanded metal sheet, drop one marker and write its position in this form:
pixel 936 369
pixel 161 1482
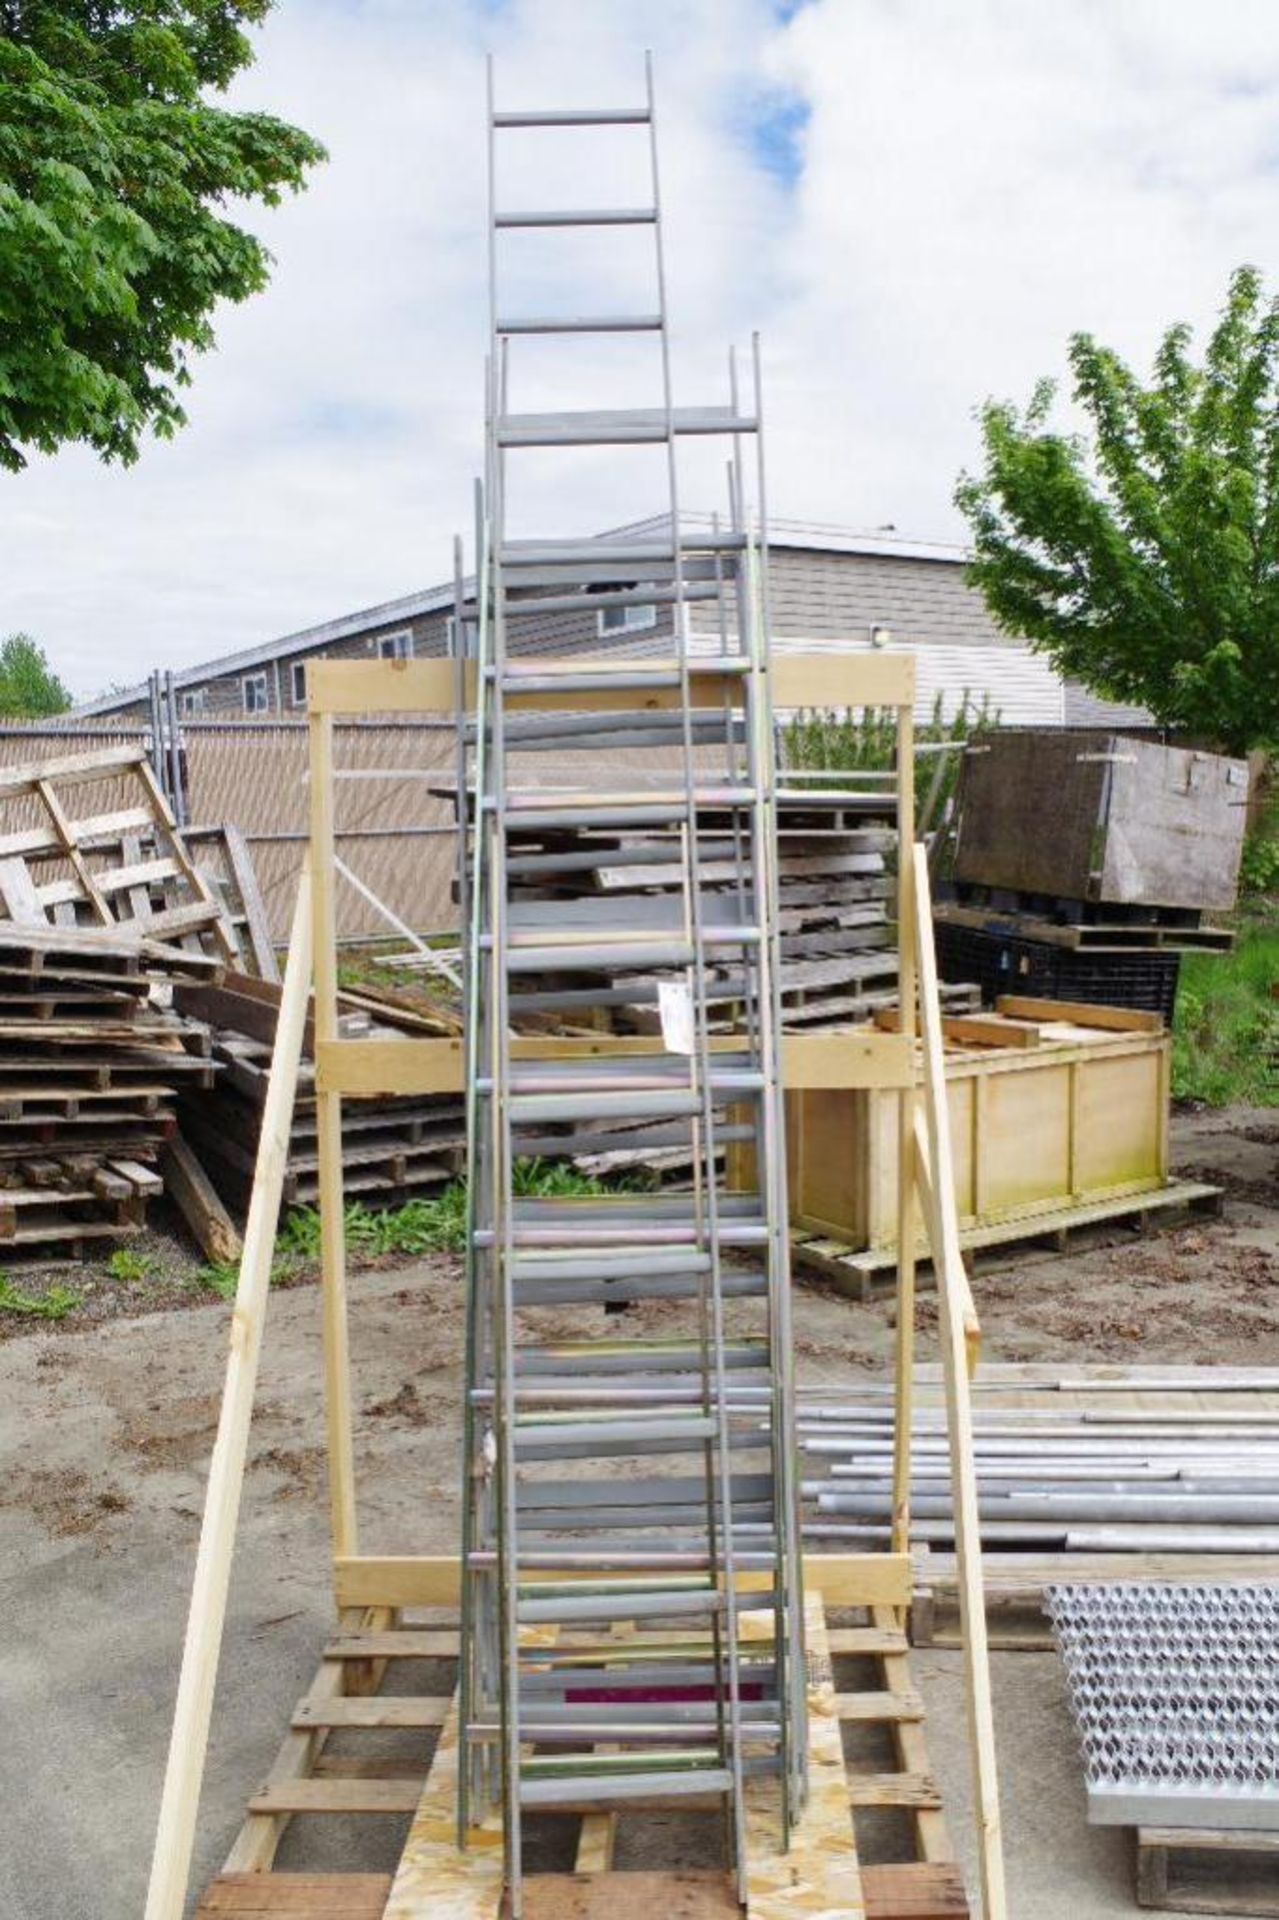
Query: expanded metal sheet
pixel 1175 1693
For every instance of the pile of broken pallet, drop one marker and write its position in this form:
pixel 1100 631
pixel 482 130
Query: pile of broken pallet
pixel 394 1147
pixel 90 1071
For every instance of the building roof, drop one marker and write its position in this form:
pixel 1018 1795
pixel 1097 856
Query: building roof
pixel 812 536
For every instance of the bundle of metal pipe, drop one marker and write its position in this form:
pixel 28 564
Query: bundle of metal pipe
pixel 1106 1478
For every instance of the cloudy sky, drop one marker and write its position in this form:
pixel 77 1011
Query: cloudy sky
pixel 914 201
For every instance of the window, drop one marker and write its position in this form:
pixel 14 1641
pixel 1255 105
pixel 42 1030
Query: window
pixel 626 619
pixel 191 703
pixel 396 646
pixel 253 690
pixel 297 683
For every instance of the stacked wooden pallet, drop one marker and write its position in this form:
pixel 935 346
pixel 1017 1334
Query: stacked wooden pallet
pixel 838 958
pixel 393 1147
pixel 89 1075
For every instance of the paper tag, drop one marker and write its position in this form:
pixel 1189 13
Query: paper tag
pixel 675 1005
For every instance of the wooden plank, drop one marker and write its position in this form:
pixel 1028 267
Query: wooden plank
pixel 401 1643
pixel 344 1794
pixel 175 1836
pixel 894 1790
pixel 914 1890
pixel 862 679
pixel 372 1710
pixel 79 865
pixel 959 1421
pixel 845 1579
pixel 366 1068
pixel 328 1106
pixel 199 1202
pixel 1080 1013
pixel 433 1876
pixel 977 1030
pixel 887 1708
pixel 68 768
pixel 316 1896
pixel 818 1874
pixel 676 1894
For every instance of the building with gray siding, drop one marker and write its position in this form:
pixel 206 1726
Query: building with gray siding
pixel 830 589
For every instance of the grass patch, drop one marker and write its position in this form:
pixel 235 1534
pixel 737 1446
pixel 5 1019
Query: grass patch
pixel 1225 1047
pixel 54 1304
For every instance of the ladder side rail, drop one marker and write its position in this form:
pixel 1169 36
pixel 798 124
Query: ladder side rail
pixel 471 802
pixel 771 1155
pixel 502 1172
pixel 700 1064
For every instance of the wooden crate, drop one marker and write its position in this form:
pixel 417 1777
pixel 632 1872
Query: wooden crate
pixel 1072 1114
pixel 1208 1870
pixel 1133 822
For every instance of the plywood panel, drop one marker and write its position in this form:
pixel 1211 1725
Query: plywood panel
pixel 1025 1144
pixel 1120 1136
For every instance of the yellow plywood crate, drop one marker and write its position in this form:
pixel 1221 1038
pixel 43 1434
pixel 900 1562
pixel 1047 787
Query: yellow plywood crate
pixel 1080 1115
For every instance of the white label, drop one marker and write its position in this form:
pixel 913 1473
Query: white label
pixel 675 1004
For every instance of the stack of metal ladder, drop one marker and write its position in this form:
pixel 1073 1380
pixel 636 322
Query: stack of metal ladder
pixel 632 1615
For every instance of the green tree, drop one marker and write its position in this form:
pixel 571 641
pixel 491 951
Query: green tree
pixel 1143 557
pixel 115 172
pixel 29 688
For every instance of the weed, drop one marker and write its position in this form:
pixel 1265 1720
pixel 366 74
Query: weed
pixel 1225 1047
pixel 55 1304
pixel 864 740
pixel 434 1223
pixel 221 1277
pixel 128 1264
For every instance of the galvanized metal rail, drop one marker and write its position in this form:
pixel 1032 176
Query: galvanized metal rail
pixel 689 1500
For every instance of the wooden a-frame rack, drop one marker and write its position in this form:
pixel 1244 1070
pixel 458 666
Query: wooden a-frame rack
pixel 371 1592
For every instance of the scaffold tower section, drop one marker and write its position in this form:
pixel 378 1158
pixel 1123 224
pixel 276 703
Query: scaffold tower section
pixel 633 1615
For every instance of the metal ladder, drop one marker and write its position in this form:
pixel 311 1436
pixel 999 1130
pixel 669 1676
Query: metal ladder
pixel 606 1660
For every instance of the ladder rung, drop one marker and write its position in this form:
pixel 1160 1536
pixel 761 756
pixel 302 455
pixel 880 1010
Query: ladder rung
pixel 574 117
pixel 538 1108
pixel 569 1498
pixel 576 217
pixel 626 1356
pixel 637 679
pixel 628 1266
pixel 539 605
pixel 578 1788
pixel 619 428
pixel 537 553
pixel 734 1285
pixel 650 1605
pixel 543 1435
pixel 617 573
pixel 581 323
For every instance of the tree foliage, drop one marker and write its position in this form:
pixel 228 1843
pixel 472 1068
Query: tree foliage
pixel 115 172
pixel 29 688
pixel 1143 558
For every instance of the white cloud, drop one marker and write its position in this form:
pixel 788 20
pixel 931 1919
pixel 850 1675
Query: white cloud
pixel 976 182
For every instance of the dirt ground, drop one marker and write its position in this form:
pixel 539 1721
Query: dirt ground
pixel 106 1422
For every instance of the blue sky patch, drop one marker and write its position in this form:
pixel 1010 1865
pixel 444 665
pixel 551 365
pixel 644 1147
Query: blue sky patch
pixel 775 124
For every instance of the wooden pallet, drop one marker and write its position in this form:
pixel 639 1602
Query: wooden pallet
pixel 865 1271
pixel 1208 1870
pixel 347 1708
